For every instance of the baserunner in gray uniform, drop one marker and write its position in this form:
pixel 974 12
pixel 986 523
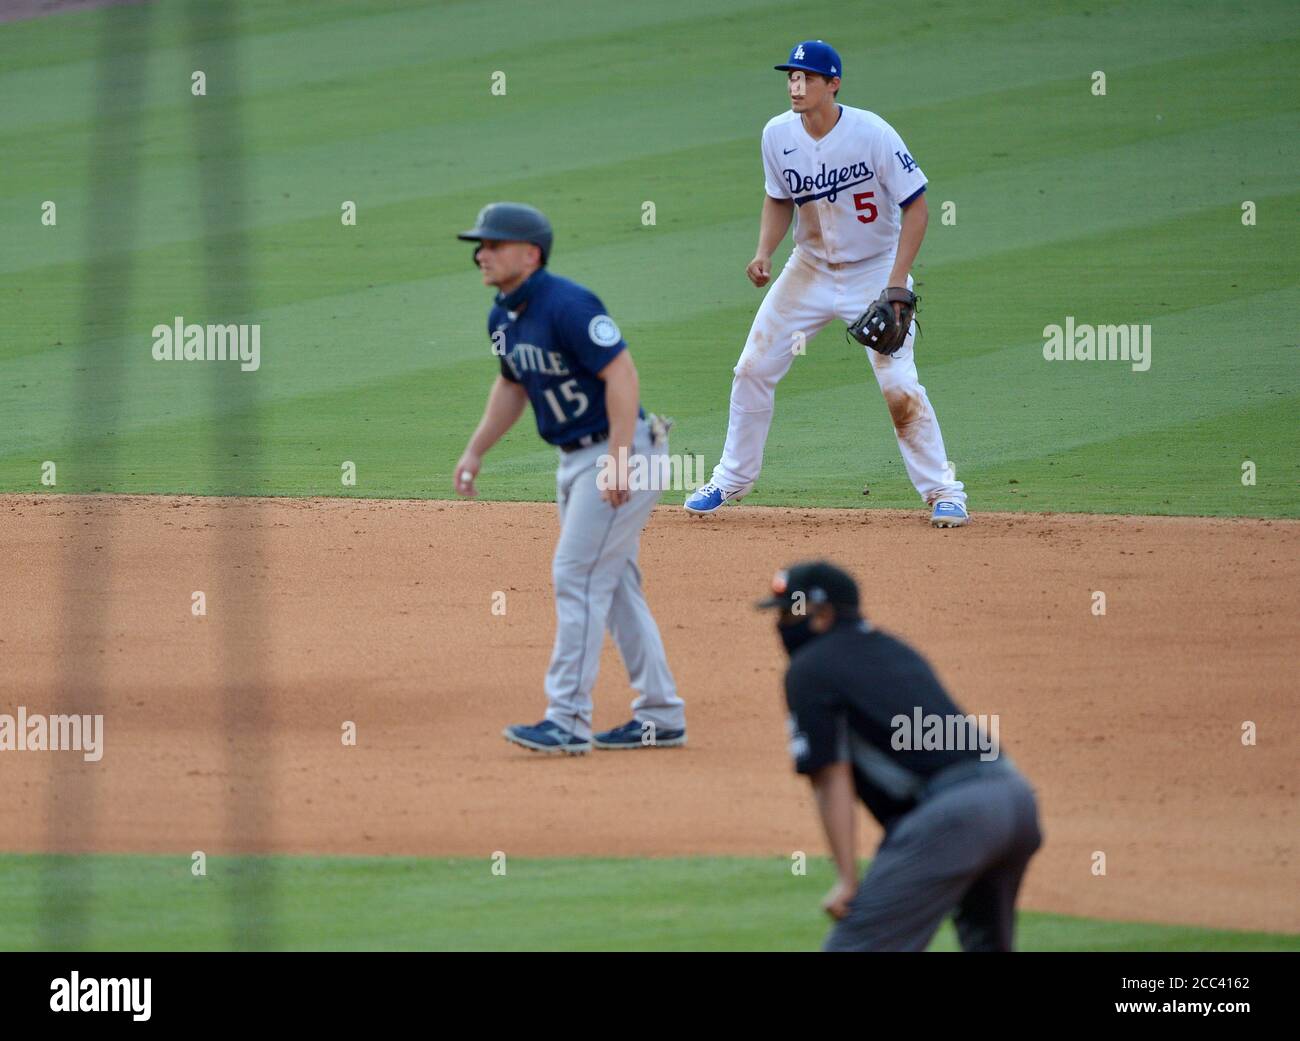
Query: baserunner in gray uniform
pixel 867 714
pixel 561 351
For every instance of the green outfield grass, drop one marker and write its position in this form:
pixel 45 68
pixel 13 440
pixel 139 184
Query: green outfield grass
pixel 1114 210
pixel 406 903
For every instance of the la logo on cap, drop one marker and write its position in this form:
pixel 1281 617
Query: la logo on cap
pixel 798 54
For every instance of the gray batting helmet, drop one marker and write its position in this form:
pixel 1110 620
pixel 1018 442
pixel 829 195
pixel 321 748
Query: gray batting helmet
pixel 511 222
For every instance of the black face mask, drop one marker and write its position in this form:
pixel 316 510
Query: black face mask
pixel 795 636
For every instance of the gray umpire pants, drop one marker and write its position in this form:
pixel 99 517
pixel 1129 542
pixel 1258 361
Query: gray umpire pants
pixel 598 585
pixel 962 852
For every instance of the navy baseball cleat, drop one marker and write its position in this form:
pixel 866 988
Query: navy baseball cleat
pixel 710 497
pixel 949 514
pixel 636 734
pixel 547 737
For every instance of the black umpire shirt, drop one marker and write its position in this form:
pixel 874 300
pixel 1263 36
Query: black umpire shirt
pixel 845 691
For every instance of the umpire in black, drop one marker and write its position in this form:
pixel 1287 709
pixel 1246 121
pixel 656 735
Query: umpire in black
pixel 867 714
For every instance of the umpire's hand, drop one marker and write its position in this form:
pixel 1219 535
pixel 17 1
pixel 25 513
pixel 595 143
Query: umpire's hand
pixel 836 902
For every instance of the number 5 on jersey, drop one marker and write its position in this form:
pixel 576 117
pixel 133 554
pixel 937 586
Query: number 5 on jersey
pixel 571 393
pixel 860 203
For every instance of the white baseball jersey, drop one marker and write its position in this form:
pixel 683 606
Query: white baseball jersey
pixel 847 187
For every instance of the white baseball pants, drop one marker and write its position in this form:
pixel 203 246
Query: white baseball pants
pixel 806 296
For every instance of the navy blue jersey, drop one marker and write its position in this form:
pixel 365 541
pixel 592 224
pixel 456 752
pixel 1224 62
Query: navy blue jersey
pixel 554 350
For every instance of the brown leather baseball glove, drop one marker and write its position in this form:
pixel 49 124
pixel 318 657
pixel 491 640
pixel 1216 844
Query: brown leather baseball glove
pixel 878 328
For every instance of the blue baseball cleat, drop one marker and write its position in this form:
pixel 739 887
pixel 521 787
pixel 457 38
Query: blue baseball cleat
pixel 636 734
pixel 949 514
pixel 547 737
pixel 710 497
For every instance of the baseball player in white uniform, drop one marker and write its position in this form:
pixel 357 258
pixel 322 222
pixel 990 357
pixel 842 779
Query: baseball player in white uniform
pixel 862 214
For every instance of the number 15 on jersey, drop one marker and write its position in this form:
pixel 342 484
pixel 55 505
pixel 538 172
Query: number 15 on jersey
pixel 572 395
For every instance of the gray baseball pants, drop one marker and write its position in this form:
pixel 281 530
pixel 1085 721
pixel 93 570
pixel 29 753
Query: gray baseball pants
pixel 961 852
pixel 598 585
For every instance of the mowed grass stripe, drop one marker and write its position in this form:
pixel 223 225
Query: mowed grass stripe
pixel 1135 468
pixel 37 43
pixel 598 198
pixel 831 437
pixel 447 39
pixel 406 903
pixel 950 140
pixel 689 264
pixel 347 126
pixel 1143 276
pixel 599 208
pixel 405 433
pixel 283 46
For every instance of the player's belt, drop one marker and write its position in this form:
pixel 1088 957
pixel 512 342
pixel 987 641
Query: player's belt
pixel 967 770
pixel 585 442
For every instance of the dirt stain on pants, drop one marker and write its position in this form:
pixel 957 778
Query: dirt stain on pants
pixel 907 410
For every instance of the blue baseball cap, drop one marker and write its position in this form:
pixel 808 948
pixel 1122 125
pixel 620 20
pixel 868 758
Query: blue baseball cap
pixel 813 56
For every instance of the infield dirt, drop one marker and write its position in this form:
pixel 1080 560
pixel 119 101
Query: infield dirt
pixel 222 732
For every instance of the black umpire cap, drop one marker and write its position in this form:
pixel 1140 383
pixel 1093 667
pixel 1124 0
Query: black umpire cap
pixel 511 222
pixel 819 581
